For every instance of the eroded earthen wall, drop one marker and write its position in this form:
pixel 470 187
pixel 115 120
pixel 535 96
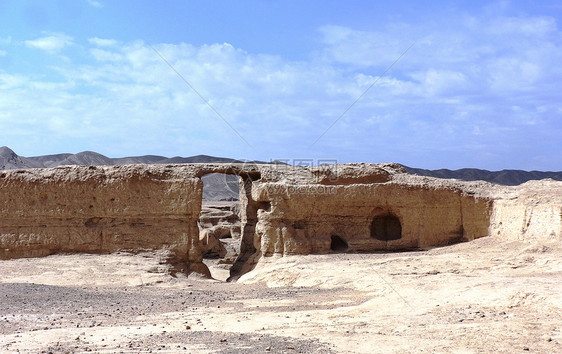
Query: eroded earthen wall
pixel 97 209
pixel 362 207
pixel 530 212
pixel 303 219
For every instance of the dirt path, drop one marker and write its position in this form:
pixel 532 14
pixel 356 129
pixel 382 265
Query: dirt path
pixel 483 296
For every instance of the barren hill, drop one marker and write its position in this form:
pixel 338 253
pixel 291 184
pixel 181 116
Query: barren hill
pixel 10 160
pixel 503 177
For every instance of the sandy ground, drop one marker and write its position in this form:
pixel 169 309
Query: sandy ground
pixel 482 296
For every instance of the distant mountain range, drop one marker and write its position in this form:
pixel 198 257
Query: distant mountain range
pixel 503 177
pixel 10 160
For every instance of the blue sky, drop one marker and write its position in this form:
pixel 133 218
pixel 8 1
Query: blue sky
pixel 481 86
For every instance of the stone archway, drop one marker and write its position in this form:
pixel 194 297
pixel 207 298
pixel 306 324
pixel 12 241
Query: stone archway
pixel 246 210
pixel 219 222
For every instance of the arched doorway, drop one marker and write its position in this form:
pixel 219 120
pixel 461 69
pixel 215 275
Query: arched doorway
pixel 219 223
pixel 228 245
pixel 386 228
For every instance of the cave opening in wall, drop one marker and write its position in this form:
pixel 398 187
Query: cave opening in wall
pixel 386 228
pixel 219 222
pixel 338 244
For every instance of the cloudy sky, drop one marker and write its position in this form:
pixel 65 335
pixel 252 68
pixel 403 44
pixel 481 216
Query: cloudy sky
pixel 480 85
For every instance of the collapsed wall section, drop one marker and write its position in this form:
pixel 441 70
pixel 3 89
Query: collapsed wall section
pixel 529 212
pixel 99 209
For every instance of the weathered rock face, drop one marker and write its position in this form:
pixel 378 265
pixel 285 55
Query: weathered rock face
pixel 373 209
pixel 529 212
pixel 283 210
pixel 365 217
pixel 99 209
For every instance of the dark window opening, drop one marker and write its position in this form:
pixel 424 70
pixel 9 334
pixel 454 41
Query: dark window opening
pixel 386 228
pixel 338 244
pixel 266 206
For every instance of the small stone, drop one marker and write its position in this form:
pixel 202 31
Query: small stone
pixel 268 349
pixel 526 348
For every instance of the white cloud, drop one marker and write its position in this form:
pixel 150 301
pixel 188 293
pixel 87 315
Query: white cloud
pixel 513 74
pixel 527 26
pixel 9 81
pixel 95 3
pixel 362 48
pixel 50 43
pixel 102 42
pixel 435 82
pixel 104 55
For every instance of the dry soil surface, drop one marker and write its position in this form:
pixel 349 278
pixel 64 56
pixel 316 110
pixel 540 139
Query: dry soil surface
pixel 481 296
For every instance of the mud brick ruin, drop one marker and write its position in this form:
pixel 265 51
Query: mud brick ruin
pixel 288 211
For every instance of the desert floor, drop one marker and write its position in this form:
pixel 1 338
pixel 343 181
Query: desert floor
pixel 480 296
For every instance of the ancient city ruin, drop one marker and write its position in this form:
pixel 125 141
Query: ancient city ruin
pixel 283 211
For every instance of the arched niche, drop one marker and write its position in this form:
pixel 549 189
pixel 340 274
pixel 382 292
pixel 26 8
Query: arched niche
pixel 386 227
